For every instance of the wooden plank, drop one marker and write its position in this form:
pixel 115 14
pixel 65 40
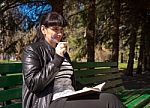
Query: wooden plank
pixel 113 83
pixel 12 80
pixel 110 77
pixel 15 105
pixel 111 86
pixel 147 106
pixel 102 77
pixel 10 68
pixel 79 73
pixel 139 102
pixel 130 96
pixel 97 79
pixel 119 88
pixel 14 93
pixel 126 95
pixel 80 65
pixel 133 96
pixel 114 89
pixel 123 93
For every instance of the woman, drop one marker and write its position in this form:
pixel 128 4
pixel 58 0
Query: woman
pixel 47 71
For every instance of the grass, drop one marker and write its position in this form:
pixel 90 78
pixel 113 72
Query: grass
pixel 7 61
pixel 124 65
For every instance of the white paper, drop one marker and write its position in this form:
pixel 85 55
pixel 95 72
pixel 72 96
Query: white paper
pixel 66 93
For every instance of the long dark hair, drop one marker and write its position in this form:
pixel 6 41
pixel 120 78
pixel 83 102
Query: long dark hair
pixel 49 19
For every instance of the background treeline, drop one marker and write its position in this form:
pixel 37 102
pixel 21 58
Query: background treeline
pixel 98 30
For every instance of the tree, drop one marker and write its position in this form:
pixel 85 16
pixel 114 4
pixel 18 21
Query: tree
pixel 147 44
pixel 13 20
pixel 57 5
pixel 134 18
pixel 142 43
pixel 90 31
pixel 116 22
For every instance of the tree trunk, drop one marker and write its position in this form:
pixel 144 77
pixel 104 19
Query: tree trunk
pixel 147 45
pixel 115 49
pixel 90 35
pixel 134 26
pixel 129 71
pixel 142 43
pixel 140 59
pixel 121 58
pixel 57 5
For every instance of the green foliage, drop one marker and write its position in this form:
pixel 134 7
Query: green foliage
pixel 77 43
pixel 75 11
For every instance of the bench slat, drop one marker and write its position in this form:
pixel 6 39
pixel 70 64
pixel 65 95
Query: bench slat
pixel 6 81
pixel 115 89
pixel 97 79
pixel 113 84
pixel 133 96
pixel 79 73
pixel 147 106
pixel 80 65
pixel 9 94
pixel 130 96
pixel 126 94
pixel 139 102
pixel 15 105
pixel 10 68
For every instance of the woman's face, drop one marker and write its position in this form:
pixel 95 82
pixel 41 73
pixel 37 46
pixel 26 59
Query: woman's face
pixel 52 34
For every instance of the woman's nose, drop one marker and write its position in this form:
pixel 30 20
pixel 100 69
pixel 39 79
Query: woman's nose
pixel 59 35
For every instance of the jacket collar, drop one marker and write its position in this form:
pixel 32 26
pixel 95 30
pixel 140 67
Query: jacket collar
pixel 49 47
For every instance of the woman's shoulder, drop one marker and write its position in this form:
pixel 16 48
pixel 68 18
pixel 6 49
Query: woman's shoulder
pixel 35 45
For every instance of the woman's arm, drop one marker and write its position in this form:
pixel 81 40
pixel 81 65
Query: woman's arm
pixel 36 76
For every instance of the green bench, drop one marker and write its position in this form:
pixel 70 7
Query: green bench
pixel 93 73
pixel 87 74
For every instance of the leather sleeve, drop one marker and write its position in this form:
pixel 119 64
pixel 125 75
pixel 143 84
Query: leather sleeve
pixel 36 75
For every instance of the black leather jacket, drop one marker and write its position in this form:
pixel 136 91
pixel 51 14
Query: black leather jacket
pixel 40 65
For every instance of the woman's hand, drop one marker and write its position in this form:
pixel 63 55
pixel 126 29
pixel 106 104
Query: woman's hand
pixel 61 48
